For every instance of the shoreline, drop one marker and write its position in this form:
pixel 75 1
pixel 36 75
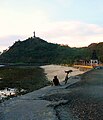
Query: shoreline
pixel 49 102
pixel 50 71
pixel 53 70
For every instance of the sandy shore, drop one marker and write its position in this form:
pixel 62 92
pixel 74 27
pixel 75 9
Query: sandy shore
pixel 52 70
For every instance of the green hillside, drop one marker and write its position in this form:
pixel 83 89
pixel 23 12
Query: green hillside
pixel 38 51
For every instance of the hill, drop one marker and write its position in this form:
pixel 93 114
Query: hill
pixel 37 51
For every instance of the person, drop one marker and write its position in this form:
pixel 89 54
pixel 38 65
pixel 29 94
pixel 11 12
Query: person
pixel 66 77
pixel 56 81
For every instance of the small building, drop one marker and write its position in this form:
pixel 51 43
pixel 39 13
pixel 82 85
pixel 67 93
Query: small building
pixel 82 62
pixel 94 59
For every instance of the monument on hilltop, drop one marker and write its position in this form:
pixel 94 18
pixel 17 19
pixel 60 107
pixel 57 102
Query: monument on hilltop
pixel 34 34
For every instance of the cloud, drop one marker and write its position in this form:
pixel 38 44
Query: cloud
pixel 65 3
pixel 15 25
pixel 13 22
pixel 73 33
pixel 7 41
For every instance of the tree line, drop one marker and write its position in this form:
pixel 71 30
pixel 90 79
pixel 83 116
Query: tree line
pixel 38 51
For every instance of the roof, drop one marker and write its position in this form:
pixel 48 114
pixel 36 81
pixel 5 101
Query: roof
pixel 94 55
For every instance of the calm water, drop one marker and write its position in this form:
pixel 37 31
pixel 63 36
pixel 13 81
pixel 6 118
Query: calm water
pixel 10 92
pixel 16 81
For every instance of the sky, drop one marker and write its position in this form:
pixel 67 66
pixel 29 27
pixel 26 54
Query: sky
pixel 76 23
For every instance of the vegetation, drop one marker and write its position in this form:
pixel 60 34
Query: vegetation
pixel 27 78
pixel 37 51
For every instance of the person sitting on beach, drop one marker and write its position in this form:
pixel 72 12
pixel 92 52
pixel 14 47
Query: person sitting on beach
pixel 56 81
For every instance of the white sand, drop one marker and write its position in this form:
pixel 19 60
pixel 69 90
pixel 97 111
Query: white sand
pixel 52 70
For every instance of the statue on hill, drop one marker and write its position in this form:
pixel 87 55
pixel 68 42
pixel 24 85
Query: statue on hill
pixel 34 34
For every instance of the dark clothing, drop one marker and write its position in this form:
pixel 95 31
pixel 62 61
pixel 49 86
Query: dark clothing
pixel 66 78
pixel 56 81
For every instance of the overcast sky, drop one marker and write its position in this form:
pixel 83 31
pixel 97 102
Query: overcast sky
pixel 74 22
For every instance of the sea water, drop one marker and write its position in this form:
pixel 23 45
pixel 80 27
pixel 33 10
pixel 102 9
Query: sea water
pixel 8 92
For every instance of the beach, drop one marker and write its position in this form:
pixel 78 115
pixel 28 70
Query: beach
pixel 53 70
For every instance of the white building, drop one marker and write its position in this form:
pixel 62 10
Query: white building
pixel 94 59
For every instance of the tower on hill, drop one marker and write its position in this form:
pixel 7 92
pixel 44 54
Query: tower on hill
pixel 34 34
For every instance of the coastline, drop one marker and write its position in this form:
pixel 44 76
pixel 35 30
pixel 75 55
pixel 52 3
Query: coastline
pixel 52 70
pixel 45 103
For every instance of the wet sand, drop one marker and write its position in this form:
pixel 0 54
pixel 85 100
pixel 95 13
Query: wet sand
pixel 52 70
